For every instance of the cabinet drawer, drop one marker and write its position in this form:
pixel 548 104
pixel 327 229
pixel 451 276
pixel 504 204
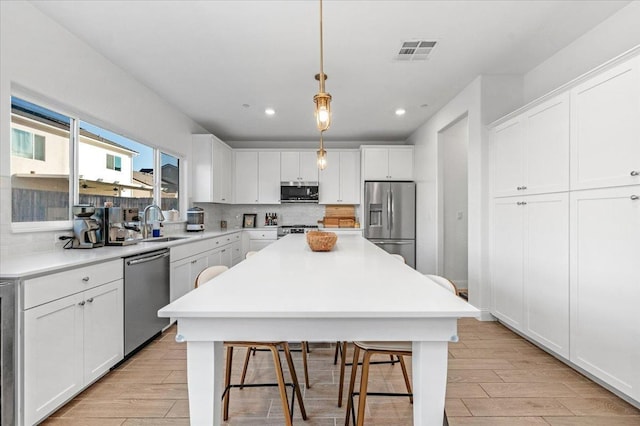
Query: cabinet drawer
pixel 268 234
pixel 236 250
pixel 55 286
pixel 190 249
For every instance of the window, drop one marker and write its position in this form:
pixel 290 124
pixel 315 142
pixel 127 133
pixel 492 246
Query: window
pixel 114 162
pixel 169 182
pixel 111 167
pixel 39 183
pixel 27 145
pixel 126 181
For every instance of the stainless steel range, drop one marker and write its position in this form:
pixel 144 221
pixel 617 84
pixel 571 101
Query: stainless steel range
pixel 295 229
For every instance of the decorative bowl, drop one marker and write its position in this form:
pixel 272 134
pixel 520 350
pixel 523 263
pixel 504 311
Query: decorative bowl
pixel 321 241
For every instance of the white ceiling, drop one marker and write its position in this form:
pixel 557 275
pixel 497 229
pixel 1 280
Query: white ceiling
pixel 208 58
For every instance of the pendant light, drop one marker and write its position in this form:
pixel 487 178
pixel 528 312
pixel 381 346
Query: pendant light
pixel 322 101
pixel 322 155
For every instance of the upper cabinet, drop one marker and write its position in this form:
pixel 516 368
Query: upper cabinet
pixel 387 163
pixel 530 153
pixel 298 166
pixel 340 180
pixel 257 177
pixel 211 170
pixel 605 129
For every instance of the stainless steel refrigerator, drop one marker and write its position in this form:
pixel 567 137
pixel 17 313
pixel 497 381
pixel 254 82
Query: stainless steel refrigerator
pixel 390 217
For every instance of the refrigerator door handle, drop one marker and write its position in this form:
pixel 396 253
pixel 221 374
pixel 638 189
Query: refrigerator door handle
pixel 388 209
pixel 392 209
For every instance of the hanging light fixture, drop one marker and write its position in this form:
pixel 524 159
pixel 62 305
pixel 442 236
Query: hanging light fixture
pixel 323 103
pixel 322 99
pixel 322 154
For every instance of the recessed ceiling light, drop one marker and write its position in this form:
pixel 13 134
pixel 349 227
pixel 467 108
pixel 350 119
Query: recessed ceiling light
pixel 400 111
pixel 270 111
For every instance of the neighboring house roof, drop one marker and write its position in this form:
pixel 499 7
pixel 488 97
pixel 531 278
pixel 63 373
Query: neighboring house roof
pixel 60 124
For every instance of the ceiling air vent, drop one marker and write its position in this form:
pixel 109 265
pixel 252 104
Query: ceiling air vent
pixel 415 50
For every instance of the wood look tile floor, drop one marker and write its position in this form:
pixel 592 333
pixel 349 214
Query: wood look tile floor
pixel 495 378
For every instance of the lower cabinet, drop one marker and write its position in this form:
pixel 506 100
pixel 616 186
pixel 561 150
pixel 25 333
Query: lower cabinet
pixel 530 267
pixel 605 285
pixel 258 239
pixel 69 343
pixel 188 260
pixel 183 274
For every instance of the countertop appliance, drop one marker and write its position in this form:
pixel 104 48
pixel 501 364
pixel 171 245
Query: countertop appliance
pixel 119 226
pixel 298 192
pixel 195 219
pixel 86 229
pixel 390 217
pixel 7 354
pixel 295 229
pixel 146 290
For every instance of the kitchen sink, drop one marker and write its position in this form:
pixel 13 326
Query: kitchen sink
pixel 163 239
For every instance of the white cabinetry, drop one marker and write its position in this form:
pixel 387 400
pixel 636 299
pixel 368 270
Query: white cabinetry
pixel 188 260
pixel 298 166
pixel 387 163
pixel 183 273
pixel 585 312
pixel 257 177
pixel 530 264
pixel 605 253
pixel 605 129
pixel 531 151
pixel 340 181
pixel 211 170
pixel 71 337
pixel 260 238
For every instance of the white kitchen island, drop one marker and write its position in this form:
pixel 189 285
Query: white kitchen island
pixel 357 291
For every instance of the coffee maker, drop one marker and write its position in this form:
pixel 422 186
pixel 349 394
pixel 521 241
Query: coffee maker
pixel 119 226
pixel 86 229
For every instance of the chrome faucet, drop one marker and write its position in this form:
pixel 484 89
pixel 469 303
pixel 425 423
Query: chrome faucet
pixel 145 219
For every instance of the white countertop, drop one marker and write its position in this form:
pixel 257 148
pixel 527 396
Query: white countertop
pixel 52 261
pixel 287 279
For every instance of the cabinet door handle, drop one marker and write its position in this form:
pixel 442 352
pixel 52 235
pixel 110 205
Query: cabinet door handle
pixel 524 187
pixel 85 279
pixel 635 173
pixel 223 250
pixel 89 300
pixel 194 261
pixel 634 198
pixel 519 188
pixel 81 303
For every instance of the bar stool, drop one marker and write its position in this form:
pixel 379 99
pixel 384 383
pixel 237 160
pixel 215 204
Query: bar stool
pixel 400 349
pixel 250 351
pixel 205 277
pixel 341 347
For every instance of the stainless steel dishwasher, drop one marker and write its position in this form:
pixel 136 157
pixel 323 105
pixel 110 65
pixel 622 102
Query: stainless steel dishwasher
pixel 146 290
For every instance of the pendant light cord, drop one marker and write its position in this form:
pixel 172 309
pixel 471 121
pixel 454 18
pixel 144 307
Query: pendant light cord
pixel 321 53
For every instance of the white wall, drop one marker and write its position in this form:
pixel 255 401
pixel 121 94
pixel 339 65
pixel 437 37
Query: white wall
pixel 42 62
pixel 484 100
pixel 453 198
pixel 612 37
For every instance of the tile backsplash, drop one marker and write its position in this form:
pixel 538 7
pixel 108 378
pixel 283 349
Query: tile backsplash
pixel 288 214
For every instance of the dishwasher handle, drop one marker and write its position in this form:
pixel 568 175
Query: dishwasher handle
pixel 147 259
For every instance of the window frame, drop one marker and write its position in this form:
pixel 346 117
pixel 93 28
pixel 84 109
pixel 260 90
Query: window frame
pixel 74 182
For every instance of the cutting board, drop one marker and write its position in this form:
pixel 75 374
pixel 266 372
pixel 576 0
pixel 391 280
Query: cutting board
pixel 339 216
pixel 340 211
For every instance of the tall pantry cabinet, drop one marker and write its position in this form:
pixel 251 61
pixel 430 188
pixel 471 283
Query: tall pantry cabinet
pixel 564 262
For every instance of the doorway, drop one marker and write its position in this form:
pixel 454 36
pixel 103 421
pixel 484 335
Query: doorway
pixel 453 196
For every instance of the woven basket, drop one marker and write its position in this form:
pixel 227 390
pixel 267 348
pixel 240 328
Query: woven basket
pixel 321 241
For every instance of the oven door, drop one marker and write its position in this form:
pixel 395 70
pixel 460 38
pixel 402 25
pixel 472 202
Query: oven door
pixel 7 353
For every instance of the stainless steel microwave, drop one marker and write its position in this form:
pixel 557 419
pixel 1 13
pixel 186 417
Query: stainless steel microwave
pixel 298 192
